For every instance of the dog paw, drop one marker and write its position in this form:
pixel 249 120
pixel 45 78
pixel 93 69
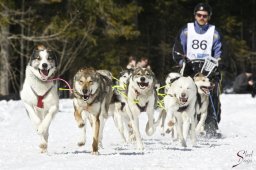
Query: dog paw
pixel 183 143
pixel 81 124
pixel 149 130
pixel 81 144
pixel 95 153
pixel 100 145
pixel 43 147
pixel 140 147
pixel 132 138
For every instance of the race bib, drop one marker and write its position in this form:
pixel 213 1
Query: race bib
pixel 199 46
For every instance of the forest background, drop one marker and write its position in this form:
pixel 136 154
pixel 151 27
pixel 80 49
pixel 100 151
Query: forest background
pixel 104 33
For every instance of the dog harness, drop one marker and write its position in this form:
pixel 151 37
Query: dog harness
pixel 182 108
pixel 40 103
pixel 142 108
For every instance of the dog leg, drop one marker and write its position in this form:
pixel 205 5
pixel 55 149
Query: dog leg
pixel 96 128
pixel 164 115
pixel 150 129
pixel 32 115
pixel 135 127
pixel 82 139
pixel 185 128
pixel 47 120
pixel 78 117
pixel 119 124
pixel 179 132
pixel 102 124
pixel 44 141
pixel 200 125
pixel 193 132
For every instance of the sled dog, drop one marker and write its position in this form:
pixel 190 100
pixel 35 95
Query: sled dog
pixel 203 86
pixel 141 97
pixel 120 117
pixel 39 94
pixel 169 122
pixel 92 97
pixel 181 100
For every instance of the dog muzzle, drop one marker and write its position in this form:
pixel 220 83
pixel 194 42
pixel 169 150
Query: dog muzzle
pixel 44 73
pixel 206 90
pixel 142 85
pixel 87 96
pixel 183 100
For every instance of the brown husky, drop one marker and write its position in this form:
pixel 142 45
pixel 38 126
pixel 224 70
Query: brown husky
pixel 92 96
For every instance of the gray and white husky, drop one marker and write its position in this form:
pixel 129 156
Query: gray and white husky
pixel 120 116
pixel 39 94
pixel 141 97
pixel 92 97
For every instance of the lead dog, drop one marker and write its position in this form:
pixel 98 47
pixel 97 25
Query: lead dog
pixel 92 97
pixel 203 86
pixel 181 100
pixel 39 94
pixel 141 97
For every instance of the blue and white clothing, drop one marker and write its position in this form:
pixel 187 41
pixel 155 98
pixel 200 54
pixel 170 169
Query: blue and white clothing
pixel 216 48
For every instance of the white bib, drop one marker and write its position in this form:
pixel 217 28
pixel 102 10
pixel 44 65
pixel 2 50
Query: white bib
pixel 199 46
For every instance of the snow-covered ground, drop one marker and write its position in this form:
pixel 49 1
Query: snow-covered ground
pixel 19 143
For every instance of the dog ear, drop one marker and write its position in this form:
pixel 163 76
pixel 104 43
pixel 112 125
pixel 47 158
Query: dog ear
pixel 34 53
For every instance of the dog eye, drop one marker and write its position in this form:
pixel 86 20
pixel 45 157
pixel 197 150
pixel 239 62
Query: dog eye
pixel 50 58
pixel 38 57
pixel 91 82
pixel 147 74
pixel 80 81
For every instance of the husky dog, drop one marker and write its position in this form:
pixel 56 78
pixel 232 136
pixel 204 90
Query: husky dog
pixel 39 94
pixel 181 100
pixel 141 97
pixel 171 77
pixel 203 86
pixel 92 97
pixel 120 117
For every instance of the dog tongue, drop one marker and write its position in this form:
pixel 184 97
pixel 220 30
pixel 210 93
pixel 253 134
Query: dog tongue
pixel 45 72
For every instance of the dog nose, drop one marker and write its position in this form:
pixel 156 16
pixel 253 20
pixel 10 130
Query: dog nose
pixel 183 94
pixel 85 91
pixel 44 65
pixel 142 79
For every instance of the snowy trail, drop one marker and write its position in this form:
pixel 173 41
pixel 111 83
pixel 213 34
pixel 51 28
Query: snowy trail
pixel 19 142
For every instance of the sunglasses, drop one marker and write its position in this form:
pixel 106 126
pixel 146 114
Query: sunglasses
pixel 201 15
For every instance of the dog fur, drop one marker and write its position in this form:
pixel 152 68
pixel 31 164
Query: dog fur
pixel 92 97
pixel 203 86
pixel 141 96
pixel 120 117
pixel 181 101
pixel 170 120
pixel 39 94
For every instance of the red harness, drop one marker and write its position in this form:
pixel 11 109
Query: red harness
pixel 40 103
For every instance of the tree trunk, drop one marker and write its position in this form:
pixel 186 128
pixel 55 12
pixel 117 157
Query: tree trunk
pixel 4 63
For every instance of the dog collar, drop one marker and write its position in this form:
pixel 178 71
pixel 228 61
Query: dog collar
pixel 40 102
pixel 182 108
pixel 142 108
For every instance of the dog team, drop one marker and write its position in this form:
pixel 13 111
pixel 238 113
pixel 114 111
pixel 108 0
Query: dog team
pixel 97 97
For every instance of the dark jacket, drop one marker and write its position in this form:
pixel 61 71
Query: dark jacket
pixel 241 84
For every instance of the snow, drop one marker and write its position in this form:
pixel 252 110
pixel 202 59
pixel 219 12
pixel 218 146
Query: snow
pixel 19 142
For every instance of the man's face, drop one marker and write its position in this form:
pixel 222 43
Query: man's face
pixel 202 17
